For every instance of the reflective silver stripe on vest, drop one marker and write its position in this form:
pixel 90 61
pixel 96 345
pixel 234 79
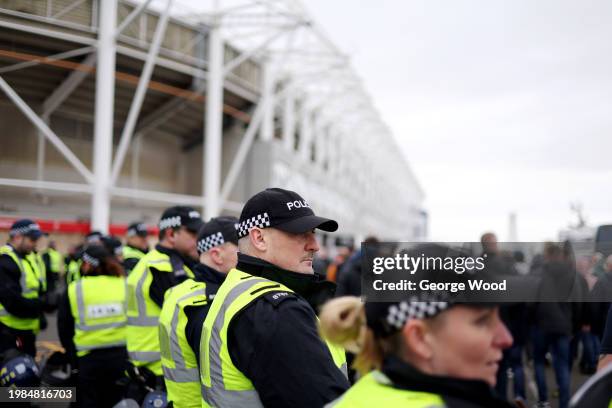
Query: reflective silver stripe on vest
pixel 344 369
pixel 180 374
pixel 3 312
pixel 142 319
pixel 216 395
pixel 80 302
pixel 145 356
pixel 101 346
pixel 82 325
pixel 99 326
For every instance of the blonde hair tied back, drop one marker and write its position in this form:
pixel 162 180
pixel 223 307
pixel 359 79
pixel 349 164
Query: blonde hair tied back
pixel 343 321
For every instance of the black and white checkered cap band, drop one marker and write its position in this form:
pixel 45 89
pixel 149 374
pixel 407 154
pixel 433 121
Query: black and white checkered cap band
pixel 258 221
pixel 209 242
pixel 24 230
pixel 91 260
pixel 136 230
pixel 399 314
pixel 170 222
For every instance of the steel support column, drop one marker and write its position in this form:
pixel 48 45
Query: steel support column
pixel 267 99
pixel 241 154
pixel 305 131
pixel 103 126
pixel 213 121
pixel 322 133
pixel 289 120
pixel 40 154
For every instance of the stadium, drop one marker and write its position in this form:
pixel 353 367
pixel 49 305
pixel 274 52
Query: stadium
pixel 203 109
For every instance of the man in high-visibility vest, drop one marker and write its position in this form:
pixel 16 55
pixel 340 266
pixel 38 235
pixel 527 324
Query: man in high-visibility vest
pixel 54 264
pixel 260 345
pixel 167 265
pixel 20 286
pixel 185 308
pixel 136 245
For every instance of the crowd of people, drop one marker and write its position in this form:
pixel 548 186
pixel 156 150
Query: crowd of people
pixel 241 312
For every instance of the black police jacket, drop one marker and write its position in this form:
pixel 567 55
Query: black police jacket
pixel 456 393
pixel 196 314
pixel 275 343
pixel 10 290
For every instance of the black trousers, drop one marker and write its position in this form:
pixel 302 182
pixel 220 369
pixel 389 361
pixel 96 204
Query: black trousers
pixel 98 373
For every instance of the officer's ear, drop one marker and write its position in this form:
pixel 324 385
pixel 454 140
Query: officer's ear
pixel 168 235
pixel 417 339
pixel 258 239
pixel 216 255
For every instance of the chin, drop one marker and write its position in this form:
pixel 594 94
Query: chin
pixel 308 270
pixel 492 380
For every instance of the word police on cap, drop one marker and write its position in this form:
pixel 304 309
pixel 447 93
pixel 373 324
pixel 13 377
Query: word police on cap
pixel 297 204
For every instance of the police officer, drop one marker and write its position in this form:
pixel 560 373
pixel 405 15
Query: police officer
pixel 114 246
pixel 74 264
pixel 54 264
pixel 260 345
pixel 185 308
pixel 91 326
pixel 167 265
pixel 136 246
pixel 20 286
pixel 427 350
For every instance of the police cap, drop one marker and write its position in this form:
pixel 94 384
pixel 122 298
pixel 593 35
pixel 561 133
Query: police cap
pixel 216 232
pixel 282 209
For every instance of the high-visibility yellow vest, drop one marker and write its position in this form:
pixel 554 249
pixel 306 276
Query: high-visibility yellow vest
pixel 97 304
pixel 30 288
pixel 376 390
pixel 143 312
pixel 223 385
pixel 56 260
pixel 179 362
pixel 132 253
pixel 37 263
pixel 74 271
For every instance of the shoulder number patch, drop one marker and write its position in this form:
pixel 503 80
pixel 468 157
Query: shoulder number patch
pixel 277 297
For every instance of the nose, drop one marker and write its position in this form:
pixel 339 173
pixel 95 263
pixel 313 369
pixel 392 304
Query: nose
pixel 502 339
pixel 311 242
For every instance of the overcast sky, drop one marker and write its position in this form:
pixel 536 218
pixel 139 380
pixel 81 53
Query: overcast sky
pixel 500 106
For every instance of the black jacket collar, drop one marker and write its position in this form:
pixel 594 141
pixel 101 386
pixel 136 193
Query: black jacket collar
pixel 311 287
pixel 174 254
pixel 207 274
pixel 456 392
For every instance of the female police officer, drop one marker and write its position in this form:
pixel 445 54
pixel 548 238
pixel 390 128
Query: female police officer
pixel 91 325
pixel 425 352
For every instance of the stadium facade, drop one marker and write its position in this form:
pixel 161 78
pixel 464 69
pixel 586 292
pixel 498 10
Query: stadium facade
pixel 107 121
